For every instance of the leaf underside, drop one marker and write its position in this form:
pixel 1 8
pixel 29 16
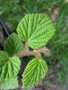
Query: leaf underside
pixel 13 45
pixel 9 69
pixel 35 71
pixel 37 29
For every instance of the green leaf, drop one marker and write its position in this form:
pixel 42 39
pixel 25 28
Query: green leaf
pixel 35 71
pixel 13 45
pixel 9 84
pixel 37 29
pixel 9 69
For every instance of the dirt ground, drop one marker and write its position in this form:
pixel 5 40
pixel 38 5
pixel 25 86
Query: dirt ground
pixel 42 87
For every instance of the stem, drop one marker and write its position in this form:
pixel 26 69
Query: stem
pixel 26 48
pixel 37 55
pixel 27 52
pixel 4 28
pixel 45 51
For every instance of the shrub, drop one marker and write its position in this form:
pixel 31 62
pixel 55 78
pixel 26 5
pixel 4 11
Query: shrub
pixel 35 30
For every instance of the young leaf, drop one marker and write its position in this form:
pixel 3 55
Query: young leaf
pixel 9 69
pixel 37 29
pixel 35 71
pixel 13 45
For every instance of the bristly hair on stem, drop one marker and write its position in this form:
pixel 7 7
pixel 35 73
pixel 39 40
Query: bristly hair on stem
pixel 36 53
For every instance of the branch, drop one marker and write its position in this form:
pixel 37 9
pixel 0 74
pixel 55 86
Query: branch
pixel 27 52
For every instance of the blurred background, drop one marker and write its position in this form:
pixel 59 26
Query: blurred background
pixel 12 11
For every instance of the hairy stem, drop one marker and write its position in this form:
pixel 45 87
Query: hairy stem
pixel 37 55
pixel 27 52
pixel 26 48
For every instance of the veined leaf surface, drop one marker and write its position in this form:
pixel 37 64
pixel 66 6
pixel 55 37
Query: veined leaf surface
pixel 13 45
pixel 9 84
pixel 37 29
pixel 9 69
pixel 35 71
